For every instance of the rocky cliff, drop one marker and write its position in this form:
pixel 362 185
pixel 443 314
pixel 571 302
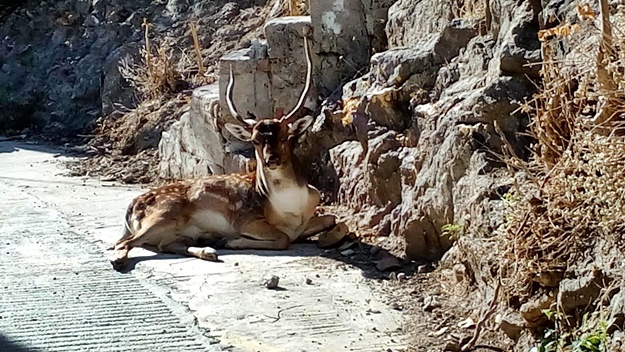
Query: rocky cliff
pixel 59 59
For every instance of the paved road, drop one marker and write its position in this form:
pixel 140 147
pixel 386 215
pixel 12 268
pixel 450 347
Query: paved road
pixel 59 293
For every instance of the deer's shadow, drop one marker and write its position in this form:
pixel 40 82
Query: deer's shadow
pixel 356 254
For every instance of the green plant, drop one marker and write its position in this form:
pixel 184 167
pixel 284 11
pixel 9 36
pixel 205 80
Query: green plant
pixel 453 231
pixel 549 342
pixel 591 335
pixel 594 340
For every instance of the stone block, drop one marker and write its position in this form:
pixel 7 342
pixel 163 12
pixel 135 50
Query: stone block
pixel 193 146
pixel 252 87
pixel 341 42
pixel 288 62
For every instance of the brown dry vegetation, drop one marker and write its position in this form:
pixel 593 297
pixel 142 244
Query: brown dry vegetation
pixel 571 214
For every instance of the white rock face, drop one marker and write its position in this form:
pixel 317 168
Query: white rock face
pixel 194 145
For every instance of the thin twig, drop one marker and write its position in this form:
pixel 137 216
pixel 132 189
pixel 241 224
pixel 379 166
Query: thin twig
pixel 480 324
pixel 280 312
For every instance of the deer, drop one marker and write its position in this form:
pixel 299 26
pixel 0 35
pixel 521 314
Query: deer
pixel 264 209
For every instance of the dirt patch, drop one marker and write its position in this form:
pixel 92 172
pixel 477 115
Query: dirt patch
pixel 441 304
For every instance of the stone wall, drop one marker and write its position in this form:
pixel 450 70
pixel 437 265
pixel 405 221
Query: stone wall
pixel 424 117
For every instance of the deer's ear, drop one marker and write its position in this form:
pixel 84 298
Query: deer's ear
pixel 300 126
pixel 239 132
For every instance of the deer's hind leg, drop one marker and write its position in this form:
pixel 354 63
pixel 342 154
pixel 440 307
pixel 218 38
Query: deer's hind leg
pixel 155 229
pixel 317 225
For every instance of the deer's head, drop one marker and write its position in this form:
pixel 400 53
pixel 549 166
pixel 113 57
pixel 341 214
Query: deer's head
pixel 272 138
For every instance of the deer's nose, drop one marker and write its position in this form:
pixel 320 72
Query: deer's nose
pixel 272 160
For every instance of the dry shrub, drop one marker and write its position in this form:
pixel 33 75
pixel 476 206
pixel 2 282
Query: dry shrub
pixel 472 10
pixel 577 198
pixel 154 75
pixel 159 72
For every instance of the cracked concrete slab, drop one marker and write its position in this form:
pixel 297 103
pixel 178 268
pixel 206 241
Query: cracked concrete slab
pixel 63 224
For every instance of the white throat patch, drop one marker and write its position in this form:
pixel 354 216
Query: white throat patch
pixel 286 196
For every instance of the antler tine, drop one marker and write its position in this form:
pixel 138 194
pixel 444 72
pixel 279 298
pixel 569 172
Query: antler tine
pixel 230 102
pixel 302 99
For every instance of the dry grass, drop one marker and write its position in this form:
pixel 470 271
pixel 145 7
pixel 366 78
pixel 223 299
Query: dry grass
pixel 471 10
pixel 160 71
pixel 577 198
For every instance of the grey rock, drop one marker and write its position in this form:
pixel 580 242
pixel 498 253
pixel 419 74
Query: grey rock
pixel 431 101
pixel 194 146
pixel 341 42
pixel 59 57
pixel 512 323
pixel 347 252
pixel 252 87
pixel 288 64
pixel 579 291
pixel 617 341
pixel 532 311
pixel 273 282
pixel 617 308
pixel 116 93
pixel 430 303
pixel 91 21
pixel 408 21
pixel 460 272
pixel 82 7
pixel 374 250
pixel 388 263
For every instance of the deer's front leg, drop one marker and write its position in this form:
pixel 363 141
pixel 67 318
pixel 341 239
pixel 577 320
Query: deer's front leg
pixel 259 234
pixel 317 225
pixel 205 253
pixel 120 258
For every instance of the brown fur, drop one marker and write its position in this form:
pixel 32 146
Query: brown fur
pixel 169 218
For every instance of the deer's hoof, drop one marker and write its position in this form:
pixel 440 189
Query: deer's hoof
pixel 119 263
pixel 209 254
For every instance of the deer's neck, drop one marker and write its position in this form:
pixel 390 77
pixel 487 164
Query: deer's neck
pixel 287 178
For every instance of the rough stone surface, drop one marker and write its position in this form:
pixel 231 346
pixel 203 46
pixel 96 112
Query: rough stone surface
pixel 532 311
pixel 617 305
pixel 58 66
pixel 408 21
pixel 252 82
pixel 512 323
pixel 424 120
pixel 288 63
pixel 579 291
pixel 194 146
pixel 341 42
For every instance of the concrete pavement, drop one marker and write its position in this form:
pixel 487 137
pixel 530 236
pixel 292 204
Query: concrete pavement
pixel 59 293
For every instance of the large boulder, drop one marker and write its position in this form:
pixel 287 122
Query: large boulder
pixel 194 146
pixel 427 117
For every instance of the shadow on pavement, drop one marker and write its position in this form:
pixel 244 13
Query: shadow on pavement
pixel 10 346
pixel 373 264
pixel 7 147
pixel 10 146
